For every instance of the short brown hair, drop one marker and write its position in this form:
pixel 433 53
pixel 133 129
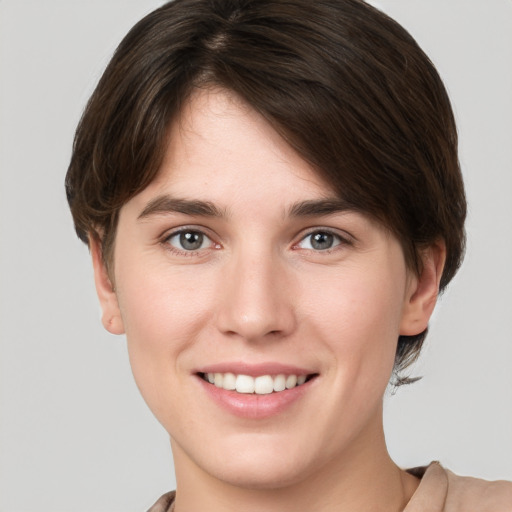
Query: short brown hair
pixel 344 84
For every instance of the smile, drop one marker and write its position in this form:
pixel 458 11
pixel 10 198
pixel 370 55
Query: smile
pixel 259 385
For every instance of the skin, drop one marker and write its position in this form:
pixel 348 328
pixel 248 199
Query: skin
pixel 257 291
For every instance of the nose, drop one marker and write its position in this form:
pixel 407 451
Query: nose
pixel 255 299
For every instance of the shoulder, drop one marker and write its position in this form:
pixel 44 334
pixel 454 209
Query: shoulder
pixel 441 490
pixel 467 493
pixel 164 503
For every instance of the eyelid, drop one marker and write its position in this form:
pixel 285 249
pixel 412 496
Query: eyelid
pixel 167 235
pixel 344 237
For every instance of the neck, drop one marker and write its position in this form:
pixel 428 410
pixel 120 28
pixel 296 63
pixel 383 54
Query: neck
pixel 362 478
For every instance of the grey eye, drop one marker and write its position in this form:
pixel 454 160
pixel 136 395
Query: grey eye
pixel 189 240
pixel 320 241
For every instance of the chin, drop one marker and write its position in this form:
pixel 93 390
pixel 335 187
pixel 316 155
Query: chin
pixel 257 476
pixel 257 462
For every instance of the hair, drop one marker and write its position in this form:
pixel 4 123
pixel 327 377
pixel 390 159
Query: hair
pixel 346 86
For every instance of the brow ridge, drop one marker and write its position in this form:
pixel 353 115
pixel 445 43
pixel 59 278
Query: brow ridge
pixel 167 204
pixel 318 207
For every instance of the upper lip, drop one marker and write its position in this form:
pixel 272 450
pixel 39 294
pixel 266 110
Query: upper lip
pixel 254 370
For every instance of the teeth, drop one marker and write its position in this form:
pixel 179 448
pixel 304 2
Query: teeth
pixel 244 384
pixel 280 383
pixel 262 385
pixel 291 381
pixel 229 381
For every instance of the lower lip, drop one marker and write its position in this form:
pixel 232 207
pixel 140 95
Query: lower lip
pixel 253 406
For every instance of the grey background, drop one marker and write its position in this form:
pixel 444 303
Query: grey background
pixel 74 433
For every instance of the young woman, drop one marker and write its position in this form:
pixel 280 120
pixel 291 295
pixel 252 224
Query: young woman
pixel 271 194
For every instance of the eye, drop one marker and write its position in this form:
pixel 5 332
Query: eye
pixel 320 241
pixel 189 240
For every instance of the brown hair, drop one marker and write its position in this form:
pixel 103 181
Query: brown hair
pixel 344 84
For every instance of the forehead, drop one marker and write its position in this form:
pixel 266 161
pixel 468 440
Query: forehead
pixel 219 149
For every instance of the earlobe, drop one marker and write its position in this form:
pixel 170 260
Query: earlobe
pixel 111 314
pixel 423 290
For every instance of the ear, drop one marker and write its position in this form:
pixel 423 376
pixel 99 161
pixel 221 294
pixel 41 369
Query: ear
pixel 423 290
pixel 111 314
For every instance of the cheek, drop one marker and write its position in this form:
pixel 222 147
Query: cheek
pixel 160 301
pixel 359 316
pixel 163 313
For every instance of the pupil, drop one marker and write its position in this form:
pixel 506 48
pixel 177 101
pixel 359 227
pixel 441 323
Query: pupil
pixel 191 240
pixel 322 241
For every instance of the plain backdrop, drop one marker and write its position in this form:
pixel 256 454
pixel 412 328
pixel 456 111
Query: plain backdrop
pixel 74 433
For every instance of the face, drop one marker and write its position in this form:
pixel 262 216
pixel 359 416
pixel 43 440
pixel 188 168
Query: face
pixel 238 266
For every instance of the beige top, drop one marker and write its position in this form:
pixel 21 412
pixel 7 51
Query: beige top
pixel 442 491
pixel 439 491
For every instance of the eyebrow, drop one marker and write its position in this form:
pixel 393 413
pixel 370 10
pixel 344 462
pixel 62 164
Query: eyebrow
pixel 167 204
pixel 318 207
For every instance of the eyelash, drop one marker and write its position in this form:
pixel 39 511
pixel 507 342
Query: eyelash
pixel 166 241
pixel 339 240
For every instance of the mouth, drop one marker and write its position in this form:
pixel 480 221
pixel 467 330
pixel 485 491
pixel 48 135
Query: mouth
pixel 256 385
